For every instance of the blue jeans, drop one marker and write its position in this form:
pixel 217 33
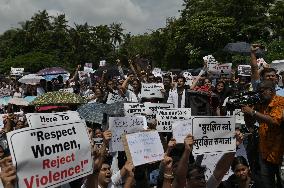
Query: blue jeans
pixel 268 174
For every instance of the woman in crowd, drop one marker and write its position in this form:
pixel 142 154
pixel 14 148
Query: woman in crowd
pixel 241 177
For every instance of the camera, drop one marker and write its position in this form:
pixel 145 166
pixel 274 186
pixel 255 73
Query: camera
pixel 242 99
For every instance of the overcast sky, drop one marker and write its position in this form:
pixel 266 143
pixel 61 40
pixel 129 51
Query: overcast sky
pixel 137 16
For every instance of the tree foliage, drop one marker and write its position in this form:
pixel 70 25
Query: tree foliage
pixel 204 27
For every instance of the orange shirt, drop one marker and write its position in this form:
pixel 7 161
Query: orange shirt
pixel 271 138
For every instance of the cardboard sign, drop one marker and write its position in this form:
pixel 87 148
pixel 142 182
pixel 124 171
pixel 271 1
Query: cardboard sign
pixel 145 109
pixel 51 156
pixel 244 70
pixel 114 97
pixel 124 125
pixel 181 129
pixel 213 134
pixel 166 117
pixel 152 90
pixel 17 71
pixel 49 119
pixel 67 90
pixel 143 147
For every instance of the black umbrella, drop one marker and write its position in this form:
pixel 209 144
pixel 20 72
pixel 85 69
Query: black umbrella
pixel 112 70
pixel 242 48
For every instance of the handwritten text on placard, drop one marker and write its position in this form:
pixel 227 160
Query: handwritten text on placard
pixel 124 125
pixel 213 134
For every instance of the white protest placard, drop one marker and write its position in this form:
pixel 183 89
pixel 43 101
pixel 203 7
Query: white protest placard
pixel 211 62
pixel 50 156
pixel 88 67
pixel 239 115
pixel 17 71
pixel 157 72
pixel 213 134
pixel 144 147
pixel 67 90
pixel 83 75
pixel 124 125
pixel 147 109
pixel 102 63
pixel 152 90
pixel 49 119
pixel 181 129
pixel 132 109
pixel 222 69
pixel 244 70
pixel 210 162
pixel 114 97
pixel 166 117
pixel 188 77
pixel 278 65
pixel 152 110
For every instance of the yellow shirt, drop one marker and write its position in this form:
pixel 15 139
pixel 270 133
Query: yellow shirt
pixel 271 137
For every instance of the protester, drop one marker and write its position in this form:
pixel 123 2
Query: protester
pixel 177 95
pixel 269 114
pixel 241 176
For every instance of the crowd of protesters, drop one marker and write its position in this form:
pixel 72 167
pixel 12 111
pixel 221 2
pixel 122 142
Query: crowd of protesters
pixel 263 133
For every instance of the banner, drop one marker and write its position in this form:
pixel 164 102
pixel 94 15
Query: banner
pixel 147 109
pixel 244 70
pixel 181 129
pixel 36 120
pixel 50 156
pixel 143 147
pixel 17 71
pixel 165 118
pixel 213 134
pixel 152 90
pixel 124 125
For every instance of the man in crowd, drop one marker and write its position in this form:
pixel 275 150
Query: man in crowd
pixel 177 96
pixel 269 114
pixel 265 74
